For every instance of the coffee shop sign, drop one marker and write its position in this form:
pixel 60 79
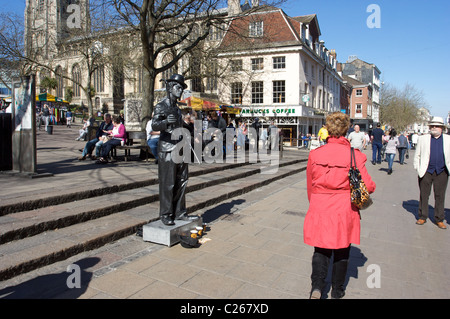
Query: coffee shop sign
pixel 269 111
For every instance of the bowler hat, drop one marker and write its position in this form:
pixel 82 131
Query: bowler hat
pixel 177 78
pixel 436 121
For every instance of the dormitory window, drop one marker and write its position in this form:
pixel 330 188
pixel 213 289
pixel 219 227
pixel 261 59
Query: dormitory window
pixel 236 93
pixel 257 92
pixel 256 29
pixel 279 92
pixel 257 64
pixel 279 62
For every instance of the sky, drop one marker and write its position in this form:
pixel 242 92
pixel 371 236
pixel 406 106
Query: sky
pixel 410 46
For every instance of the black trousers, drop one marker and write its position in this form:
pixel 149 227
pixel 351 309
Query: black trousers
pixel 320 263
pixel 173 178
pixel 439 183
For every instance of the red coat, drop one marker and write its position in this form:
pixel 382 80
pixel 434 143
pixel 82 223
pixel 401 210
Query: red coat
pixel 332 221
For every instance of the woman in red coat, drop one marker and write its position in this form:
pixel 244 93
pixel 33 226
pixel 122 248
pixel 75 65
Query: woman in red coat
pixel 332 222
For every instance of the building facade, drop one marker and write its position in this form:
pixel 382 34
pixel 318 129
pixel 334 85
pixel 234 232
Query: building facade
pixel 367 73
pixel 280 71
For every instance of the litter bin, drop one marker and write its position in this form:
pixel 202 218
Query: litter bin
pixel 50 129
pixel 5 142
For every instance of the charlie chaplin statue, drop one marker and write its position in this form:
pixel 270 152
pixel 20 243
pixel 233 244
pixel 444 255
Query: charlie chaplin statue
pixel 172 174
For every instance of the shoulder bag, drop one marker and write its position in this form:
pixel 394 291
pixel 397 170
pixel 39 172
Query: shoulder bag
pixel 358 190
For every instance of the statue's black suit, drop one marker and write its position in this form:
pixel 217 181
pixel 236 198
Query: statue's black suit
pixel 172 174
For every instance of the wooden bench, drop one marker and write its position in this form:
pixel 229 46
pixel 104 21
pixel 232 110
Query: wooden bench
pixel 135 141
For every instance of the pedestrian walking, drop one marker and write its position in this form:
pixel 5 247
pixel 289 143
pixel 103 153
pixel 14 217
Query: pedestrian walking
pixel 69 118
pixel 46 116
pixel 391 149
pixel 357 138
pixel 332 223
pixel 432 162
pixel 403 145
pixel 323 135
pixel 377 144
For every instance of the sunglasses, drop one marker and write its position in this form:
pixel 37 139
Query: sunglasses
pixel 435 126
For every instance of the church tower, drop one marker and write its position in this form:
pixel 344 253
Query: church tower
pixel 50 22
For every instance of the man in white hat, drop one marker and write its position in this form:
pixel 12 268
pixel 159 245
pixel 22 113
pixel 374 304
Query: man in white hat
pixel 432 162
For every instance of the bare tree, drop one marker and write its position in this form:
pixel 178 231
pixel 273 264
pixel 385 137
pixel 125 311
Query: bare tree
pixel 176 26
pixel 94 47
pixel 400 108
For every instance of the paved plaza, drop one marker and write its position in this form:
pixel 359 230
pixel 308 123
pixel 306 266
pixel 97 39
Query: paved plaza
pixel 253 247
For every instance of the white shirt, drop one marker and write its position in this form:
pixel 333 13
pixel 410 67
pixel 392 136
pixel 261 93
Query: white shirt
pixel 149 130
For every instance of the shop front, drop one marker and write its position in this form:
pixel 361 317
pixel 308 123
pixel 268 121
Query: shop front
pixel 293 121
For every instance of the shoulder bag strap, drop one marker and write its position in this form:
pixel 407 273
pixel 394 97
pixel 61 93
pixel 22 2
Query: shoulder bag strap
pixel 352 158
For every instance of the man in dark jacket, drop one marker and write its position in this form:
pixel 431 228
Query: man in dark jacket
pixel 103 129
pixel 172 172
pixel 377 144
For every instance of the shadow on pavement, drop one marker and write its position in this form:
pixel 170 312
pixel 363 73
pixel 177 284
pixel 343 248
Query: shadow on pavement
pixel 356 260
pixel 50 286
pixel 220 210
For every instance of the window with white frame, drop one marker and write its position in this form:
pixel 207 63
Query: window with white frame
pixel 236 93
pixel 257 92
pixel 279 92
pixel 257 64
pixel 236 65
pixel 256 29
pixel 359 92
pixel 279 62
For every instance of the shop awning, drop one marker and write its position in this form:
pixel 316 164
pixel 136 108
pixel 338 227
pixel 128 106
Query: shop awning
pixel 199 104
pixel 46 97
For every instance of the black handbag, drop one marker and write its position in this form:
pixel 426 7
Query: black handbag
pixel 358 190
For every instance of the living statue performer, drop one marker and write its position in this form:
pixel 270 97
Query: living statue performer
pixel 172 174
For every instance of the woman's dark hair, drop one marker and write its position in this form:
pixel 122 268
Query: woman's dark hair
pixel 393 133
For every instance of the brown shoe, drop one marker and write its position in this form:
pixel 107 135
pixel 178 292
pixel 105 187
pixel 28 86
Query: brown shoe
pixel 93 157
pixel 441 225
pixel 81 158
pixel 421 221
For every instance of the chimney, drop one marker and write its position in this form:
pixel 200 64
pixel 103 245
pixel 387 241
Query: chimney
pixel 234 7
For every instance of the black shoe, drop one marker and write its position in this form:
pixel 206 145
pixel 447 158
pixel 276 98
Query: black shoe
pixel 389 172
pixel 167 221
pixel 373 163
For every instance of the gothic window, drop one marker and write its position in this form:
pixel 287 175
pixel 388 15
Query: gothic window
pixel 59 81
pixel 99 79
pixel 211 80
pixel 76 77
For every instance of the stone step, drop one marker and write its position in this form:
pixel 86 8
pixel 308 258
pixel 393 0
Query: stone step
pixel 23 201
pixel 44 248
pixel 27 223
